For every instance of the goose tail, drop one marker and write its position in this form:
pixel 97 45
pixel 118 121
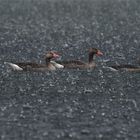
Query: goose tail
pixel 111 68
pixel 57 65
pixel 13 66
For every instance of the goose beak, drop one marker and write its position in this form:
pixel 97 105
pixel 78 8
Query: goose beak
pixel 99 53
pixel 55 55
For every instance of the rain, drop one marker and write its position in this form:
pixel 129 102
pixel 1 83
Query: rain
pixel 70 103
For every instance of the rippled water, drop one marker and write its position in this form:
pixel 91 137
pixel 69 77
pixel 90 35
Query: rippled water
pixel 69 104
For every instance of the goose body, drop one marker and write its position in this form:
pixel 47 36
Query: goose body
pixel 29 66
pixel 74 64
pixel 126 67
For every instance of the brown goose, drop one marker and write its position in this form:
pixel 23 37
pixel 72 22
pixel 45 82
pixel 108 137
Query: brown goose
pixel 29 66
pixel 127 67
pixel 74 64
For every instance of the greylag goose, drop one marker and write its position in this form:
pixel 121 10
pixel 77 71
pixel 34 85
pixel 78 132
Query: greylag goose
pixel 127 67
pixel 29 66
pixel 74 64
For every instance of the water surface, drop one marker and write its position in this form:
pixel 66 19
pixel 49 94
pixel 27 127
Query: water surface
pixel 69 104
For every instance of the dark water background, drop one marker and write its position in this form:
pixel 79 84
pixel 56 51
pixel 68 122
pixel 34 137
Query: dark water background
pixel 69 104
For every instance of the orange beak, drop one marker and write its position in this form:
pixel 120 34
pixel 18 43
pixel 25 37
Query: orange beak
pixel 56 55
pixel 99 53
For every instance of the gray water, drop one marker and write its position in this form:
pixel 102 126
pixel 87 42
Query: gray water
pixel 69 104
